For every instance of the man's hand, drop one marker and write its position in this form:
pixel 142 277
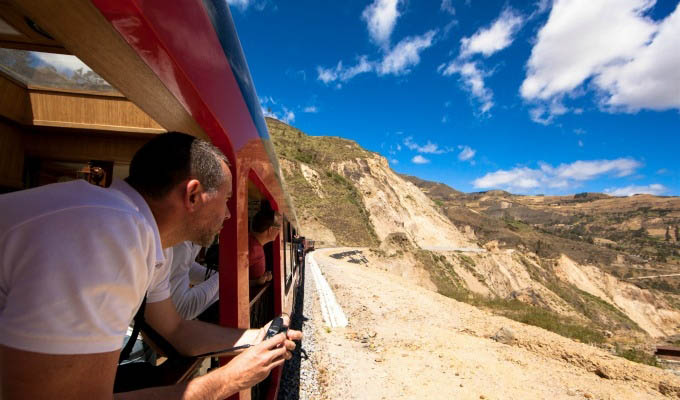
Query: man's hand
pixel 264 278
pixel 291 334
pixel 255 364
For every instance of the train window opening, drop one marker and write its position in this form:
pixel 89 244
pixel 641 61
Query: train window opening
pixel 261 287
pixel 40 171
pixel 289 254
pixel 50 70
pixel 60 121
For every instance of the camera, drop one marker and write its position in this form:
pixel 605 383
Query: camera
pixel 275 328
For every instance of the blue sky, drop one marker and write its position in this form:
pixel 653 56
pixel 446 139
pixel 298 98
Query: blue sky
pixel 552 97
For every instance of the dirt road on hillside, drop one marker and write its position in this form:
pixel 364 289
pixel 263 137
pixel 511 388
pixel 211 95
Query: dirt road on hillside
pixel 407 342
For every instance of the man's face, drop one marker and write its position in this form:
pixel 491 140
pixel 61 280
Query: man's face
pixel 213 213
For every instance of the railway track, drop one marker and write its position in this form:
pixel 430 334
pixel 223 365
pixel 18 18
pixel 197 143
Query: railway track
pixel 669 353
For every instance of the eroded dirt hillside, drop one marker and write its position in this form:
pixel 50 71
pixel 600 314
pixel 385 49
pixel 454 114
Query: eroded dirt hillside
pixel 406 342
pixel 468 249
pixel 347 195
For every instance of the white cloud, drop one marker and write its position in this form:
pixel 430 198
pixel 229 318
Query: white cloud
pixel 342 74
pixel 486 41
pixel 328 75
pixel 562 176
pixel 242 4
pixel 311 109
pixel 394 161
pixel 288 116
pixel 466 153
pixel 428 148
pixel 62 62
pixel 498 36
pixel 586 170
pixel 447 7
pixel 651 80
pixel 380 17
pixel 283 113
pixel 630 60
pixel 655 189
pixel 542 6
pixel 545 113
pixel 518 178
pixel 580 143
pixel 405 54
pixel 397 61
pixel 394 149
pixel 362 66
pixel 473 81
pixel 419 160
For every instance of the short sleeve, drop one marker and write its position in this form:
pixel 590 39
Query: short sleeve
pixel 73 280
pixel 159 289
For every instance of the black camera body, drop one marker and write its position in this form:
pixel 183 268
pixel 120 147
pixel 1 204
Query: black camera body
pixel 275 328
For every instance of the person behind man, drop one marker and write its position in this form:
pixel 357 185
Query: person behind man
pixel 191 292
pixel 264 229
pixel 76 261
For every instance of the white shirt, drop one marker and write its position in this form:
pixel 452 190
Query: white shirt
pixel 191 301
pixel 75 263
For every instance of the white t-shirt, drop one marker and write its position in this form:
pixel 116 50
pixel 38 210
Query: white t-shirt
pixel 75 263
pixel 191 301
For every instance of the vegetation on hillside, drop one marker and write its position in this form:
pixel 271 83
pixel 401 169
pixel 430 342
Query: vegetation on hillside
pixel 339 207
pixel 625 238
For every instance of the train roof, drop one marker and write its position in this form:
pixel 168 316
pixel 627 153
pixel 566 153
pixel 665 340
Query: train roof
pixel 178 68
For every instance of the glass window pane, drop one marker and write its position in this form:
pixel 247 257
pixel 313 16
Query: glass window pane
pixel 58 71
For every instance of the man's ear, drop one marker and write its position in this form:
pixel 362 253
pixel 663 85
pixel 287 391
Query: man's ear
pixel 192 194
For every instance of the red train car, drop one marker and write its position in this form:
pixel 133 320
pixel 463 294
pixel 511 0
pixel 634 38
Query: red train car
pixel 84 83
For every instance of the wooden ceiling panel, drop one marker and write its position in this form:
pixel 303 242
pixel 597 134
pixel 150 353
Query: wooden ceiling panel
pixel 72 110
pixel 85 33
pixel 31 36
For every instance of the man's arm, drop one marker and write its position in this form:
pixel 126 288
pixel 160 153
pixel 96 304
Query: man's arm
pixel 71 377
pixel 191 337
pixel 37 376
pixel 242 372
pixel 197 273
pixel 196 299
pixel 29 375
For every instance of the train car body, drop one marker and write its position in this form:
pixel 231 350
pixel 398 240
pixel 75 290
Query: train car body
pixel 84 83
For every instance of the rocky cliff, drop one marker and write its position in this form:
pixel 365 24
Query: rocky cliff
pixel 493 250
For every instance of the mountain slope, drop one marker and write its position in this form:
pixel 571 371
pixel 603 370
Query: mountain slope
pixel 495 250
pixel 352 196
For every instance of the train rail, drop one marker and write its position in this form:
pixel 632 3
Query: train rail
pixel 668 353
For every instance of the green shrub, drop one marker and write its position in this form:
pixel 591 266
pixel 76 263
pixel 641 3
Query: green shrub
pixel 637 356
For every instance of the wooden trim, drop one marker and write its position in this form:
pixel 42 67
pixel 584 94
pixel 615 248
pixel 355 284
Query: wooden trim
pixel 259 294
pixel 35 105
pixel 79 147
pixel 12 159
pixel 74 91
pixel 17 45
pixel 14 100
pixel 29 39
pixel 5 76
pixel 70 110
pixel 84 32
pixel 114 128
